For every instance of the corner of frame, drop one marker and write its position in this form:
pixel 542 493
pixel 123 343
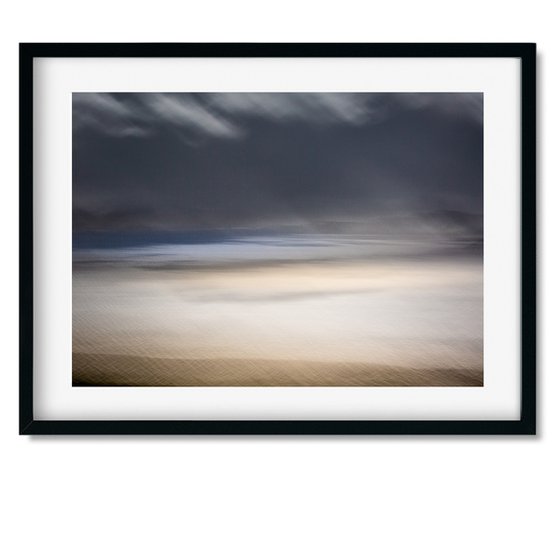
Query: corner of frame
pixel 26 427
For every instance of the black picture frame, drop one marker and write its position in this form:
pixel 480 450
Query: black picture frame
pixel 526 424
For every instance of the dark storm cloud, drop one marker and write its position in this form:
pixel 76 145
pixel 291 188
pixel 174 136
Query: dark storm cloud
pixel 212 114
pixel 310 160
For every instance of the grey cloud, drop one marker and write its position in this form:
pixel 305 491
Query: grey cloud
pixel 112 218
pixel 349 108
pixel 308 107
pixel 468 106
pixel 219 114
pixel 316 161
pixel 184 111
pixel 213 114
pixel 101 104
pixel 108 114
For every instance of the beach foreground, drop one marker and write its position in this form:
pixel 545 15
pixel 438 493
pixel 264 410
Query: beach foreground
pixel 120 370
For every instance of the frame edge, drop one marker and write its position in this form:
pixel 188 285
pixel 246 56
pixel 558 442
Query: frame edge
pixel 528 241
pixel 527 425
pixel 26 341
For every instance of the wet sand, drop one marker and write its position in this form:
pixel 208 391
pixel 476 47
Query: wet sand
pixel 130 371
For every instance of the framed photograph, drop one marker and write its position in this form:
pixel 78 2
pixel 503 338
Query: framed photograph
pixel 277 238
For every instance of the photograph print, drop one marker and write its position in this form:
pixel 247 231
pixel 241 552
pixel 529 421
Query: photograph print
pixel 277 239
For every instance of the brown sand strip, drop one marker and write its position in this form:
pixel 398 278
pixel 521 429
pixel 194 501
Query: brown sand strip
pixel 119 370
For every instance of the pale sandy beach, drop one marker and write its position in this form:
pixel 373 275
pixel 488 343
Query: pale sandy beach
pixel 319 324
pixel 115 370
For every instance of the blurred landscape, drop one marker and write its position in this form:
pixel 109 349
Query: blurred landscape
pixel 277 240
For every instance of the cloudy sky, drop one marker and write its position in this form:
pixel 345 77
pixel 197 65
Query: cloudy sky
pixel 317 162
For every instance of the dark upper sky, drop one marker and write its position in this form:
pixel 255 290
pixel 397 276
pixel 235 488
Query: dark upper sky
pixel 158 161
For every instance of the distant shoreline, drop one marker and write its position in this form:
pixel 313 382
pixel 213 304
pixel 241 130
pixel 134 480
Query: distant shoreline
pixel 103 370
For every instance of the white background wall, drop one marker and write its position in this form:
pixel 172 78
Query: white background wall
pixel 214 498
